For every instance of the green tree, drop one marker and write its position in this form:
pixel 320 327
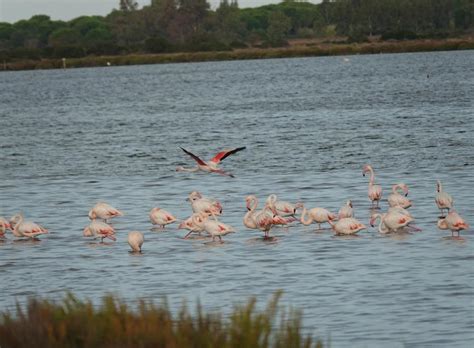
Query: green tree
pixel 278 27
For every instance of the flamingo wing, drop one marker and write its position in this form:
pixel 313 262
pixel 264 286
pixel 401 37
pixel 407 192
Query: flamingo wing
pixel 196 158
pixel 224 154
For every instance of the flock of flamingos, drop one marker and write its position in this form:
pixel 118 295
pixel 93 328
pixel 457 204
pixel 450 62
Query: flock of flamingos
pixel 206 213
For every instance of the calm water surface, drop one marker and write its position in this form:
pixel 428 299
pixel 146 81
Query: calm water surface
pixel 71 138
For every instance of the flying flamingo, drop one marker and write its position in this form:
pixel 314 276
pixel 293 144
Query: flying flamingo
pixel 21 228
pixel 161 217
pixel 103 211
pixel 454 222
pixel 443 199
pixel 346 210
pixel 263 219
pixel 396 199
pixel 4 226
pixel 99 229
pixel 212 165
pixel 318 215
pixel 135 240
pixel 189 225
pixel 213 226
pixel 375 191
pixel 347 226
pixel 203 204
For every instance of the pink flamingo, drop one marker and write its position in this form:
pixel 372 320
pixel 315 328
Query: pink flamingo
pixel 396 199
pixel 213 226
pixel 103 211
pixel 347 226
pixel 203 204
pixel 21 228
pixel 212 165
pixel 318 215
pixel 285 210
pixel 161 217
pixel 443 199
pixel 454 222
pixel 189 225
pixel 4 226
pixel 135 240
pixel 263 219
pixel 375 191
pixel 393 221
pixel 346 210
pixel 99 229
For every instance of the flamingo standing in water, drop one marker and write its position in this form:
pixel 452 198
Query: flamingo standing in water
pixel 346 210
pixel 375 191
pixel 103 211
pixel 393 221
pixel 99 229
pixel 443 199
pixel 203 204
pixel 161 217
pixel 21 228
pixel 318 215
pixel 347 226
pixel 212 226
pixel 135 240
pixel 212 165
pixel 396 199
pixel 285 210
pixel 189 225
pixel 4 226
pixel 263 219
pixel 454 222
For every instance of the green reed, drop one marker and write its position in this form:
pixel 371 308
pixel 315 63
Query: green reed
pixel 76 323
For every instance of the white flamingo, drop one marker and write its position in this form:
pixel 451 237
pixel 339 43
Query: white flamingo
pixel 213 226
pixel 375 191
pixel 203 204
pixel 393 221
pixel 443 199
pixel 212 165
pixel 454 222
pixel 396 199
pixel 135 240
pixel 318 215
pixel 346 210
pixel 21 228
pixel 99 229
pixel 103 211
pixel 347 226
pixel 189 225
pixel 161 217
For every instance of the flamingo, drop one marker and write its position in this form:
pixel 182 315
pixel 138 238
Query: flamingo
pixel 318 215
pixel 161 217
pixel 203 204
pixel 286 210
pixel 212 165
pixel 375 191
pixel 135 240
pixel 443 199
pixel 393 221
pixel 346 210
pixel 188 224
pixel 263 219
pixel 103 211
pixel 4 226
pixel 347 226
pixel 212 226
pixel 21 228
pixel 396 199
pixel 99 229
pixel 454 222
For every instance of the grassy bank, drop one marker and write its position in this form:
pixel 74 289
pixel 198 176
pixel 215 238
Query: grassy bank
pixel 301 50
pixel 75 323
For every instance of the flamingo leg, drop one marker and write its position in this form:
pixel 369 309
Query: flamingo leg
pixel 186 236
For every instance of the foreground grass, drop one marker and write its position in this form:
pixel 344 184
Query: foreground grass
pixel 311 50
pixel 75 323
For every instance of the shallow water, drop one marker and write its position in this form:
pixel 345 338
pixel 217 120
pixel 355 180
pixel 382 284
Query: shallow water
pixel 71 138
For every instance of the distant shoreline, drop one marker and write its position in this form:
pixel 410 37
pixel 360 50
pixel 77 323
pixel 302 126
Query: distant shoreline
pixel 309 49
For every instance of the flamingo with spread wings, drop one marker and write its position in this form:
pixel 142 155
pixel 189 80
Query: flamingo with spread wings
pixel 212 165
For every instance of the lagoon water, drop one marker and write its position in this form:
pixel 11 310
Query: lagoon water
pixel 71 138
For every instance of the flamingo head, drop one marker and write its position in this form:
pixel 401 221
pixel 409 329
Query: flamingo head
pixel 366 169
pixel 349 203
pixel 438 186
pixel 405 189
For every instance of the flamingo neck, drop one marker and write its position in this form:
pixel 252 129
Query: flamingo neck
pixel 303 220
pixel 372 176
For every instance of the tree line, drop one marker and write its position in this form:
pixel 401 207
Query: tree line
pixel 191 25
